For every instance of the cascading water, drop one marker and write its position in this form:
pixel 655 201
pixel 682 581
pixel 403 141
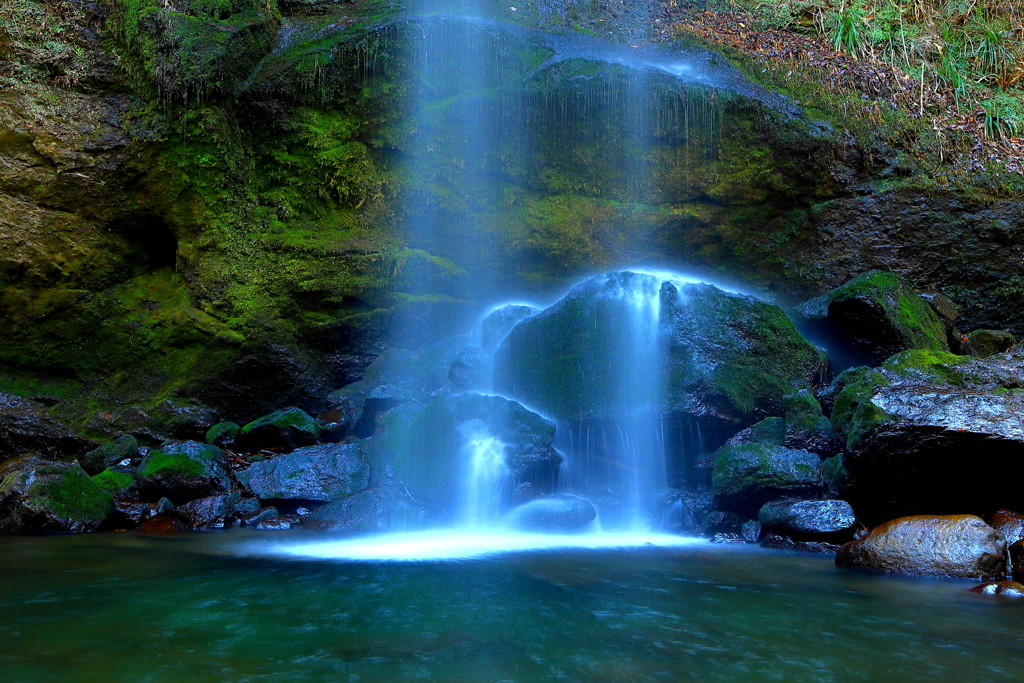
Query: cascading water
pixel 484 475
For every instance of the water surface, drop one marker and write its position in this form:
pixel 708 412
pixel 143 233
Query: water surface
pixel 227 607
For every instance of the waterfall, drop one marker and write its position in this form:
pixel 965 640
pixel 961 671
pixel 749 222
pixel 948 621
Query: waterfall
pixel 484 475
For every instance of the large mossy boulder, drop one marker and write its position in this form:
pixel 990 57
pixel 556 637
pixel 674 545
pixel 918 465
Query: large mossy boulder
pixel 324 473
pixel 430 446
pixel 929 432
pixel 37 495
pixel 746 476
pixel 284 429
pixel 874 316
pixel 725 357
pixel 928 545
pixel 182 471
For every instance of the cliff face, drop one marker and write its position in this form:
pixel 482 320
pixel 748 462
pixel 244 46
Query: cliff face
pixel 205 206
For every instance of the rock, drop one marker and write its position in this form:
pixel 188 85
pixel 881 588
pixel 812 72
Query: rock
pixel 132 513
pixel 806 427
pixel 985 343
pixel 928 545
pixel 208 513
pixel 371 510
pixel 223 434
pixel 727 359
pixel 498 323
pixel 183 471
pixel 118 481
pixel 1015 553
pixel 803 518
pixel 559 513
pixel 717 522
pixel 37 495
pixel 746 476
pixel 878 314
pixel 751 531
pixel 288 428
pixel 449 427
pixel 259 517
pixel 278 524
pixel 1009 589
pixel 334 426
pixel 26 426
pixel 769 431
pixel 470 370
pixel 912 426
pixel 943 307
pixel 111 453
pixel 247 506
pixel 781 542
pixel 162 525
pixel 724 538
pixel 325 472
pixel 1009 524
pixel 834 474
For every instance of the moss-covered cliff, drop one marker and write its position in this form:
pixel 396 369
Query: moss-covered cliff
pixel 219 205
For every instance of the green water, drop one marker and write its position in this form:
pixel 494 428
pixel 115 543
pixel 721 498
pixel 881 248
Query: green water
pixel 122 607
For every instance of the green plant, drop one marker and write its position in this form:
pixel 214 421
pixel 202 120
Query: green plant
pixel 846 34
pixel 1004 116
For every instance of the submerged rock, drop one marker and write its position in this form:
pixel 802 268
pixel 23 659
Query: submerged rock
pixel 325 472
pixel 37 495
pixel 878 314
pixel 109 454
pixel 912 426
pixel 746 476
pixel 928 545
pixel 183 471
pixel 553 514
pixel 807 517
pixel 162 525
pixel 288 428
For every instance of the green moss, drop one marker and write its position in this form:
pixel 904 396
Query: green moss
pixel 290 418
pixel 747 468
pixel 853 413
pixel 71 494
pixel 113 481
pixel 221 432
pixel 159 464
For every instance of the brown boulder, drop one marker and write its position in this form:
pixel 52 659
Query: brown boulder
pixel 928 545
pixel 1009 522
pixel 1009 589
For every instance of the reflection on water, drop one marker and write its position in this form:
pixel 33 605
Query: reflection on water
pixel 121 607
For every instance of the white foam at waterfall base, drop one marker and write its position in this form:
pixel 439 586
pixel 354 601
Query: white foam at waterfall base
pixel 450 544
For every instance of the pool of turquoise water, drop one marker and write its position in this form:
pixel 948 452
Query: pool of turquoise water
pixel 227 607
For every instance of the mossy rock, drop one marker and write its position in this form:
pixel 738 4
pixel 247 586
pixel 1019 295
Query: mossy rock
pixel 111 453
pixel 118 482
pixel 746 476
pixel 183 471
pixel 288 428
pixel 877 314
pixel 985 343
pixel 912 429
pixel 724 357
pixel 223 434
pixel 807 427
pixel 41 496
pixel 771 431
